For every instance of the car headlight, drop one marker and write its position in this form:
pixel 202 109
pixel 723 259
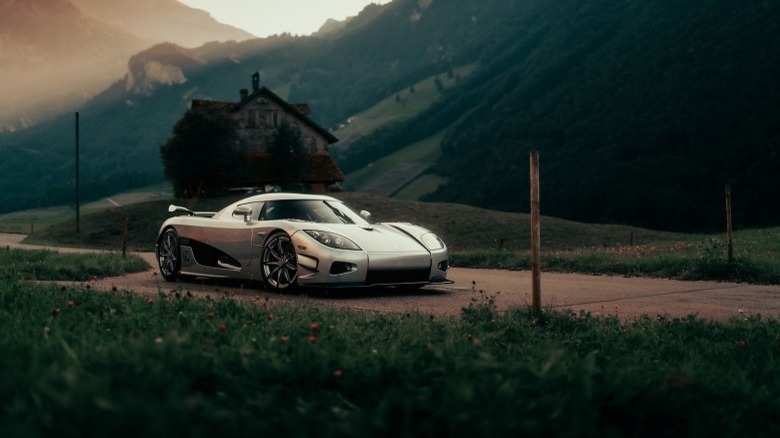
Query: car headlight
pixel 432 242
pixel 332 240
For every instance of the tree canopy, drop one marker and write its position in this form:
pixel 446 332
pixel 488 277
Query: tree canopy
pixel 289 155
pixel 202 156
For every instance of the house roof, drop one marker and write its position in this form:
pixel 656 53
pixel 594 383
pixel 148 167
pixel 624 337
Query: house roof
pixel 299 110
pixel 321 169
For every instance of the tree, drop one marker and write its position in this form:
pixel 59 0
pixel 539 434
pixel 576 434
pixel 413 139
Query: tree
pixel 438 84
pixel 202 156
pixel 289 155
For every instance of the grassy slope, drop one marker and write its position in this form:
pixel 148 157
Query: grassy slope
pixel 462 227
pixel 399 107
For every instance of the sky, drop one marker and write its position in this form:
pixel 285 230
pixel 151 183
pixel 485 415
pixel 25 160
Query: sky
pixel 268 17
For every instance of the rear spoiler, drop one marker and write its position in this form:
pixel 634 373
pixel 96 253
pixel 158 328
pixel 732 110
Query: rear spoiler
pixel 179 209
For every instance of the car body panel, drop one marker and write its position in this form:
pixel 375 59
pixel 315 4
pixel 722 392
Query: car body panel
pixel 230 243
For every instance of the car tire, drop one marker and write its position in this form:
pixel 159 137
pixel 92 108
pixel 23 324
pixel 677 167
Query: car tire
pixel 169 255
pixel 279 263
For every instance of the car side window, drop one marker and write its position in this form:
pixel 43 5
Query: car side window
pixel 285 209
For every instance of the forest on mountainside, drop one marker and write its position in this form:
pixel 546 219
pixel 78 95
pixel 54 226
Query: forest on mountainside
pixel 642 111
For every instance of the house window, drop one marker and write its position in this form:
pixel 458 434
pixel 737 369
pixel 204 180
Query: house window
pixel 251 119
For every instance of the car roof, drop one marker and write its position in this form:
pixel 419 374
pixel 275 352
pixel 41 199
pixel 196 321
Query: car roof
pixel 279 196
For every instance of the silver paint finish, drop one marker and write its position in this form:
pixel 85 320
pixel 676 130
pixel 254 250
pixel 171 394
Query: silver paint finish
pixel 385 246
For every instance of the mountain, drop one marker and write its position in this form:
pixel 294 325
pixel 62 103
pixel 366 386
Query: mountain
pixel 45 44
pixel 57 54
pixel 642 111
pixel 162 21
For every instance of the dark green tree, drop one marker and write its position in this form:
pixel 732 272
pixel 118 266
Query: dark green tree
pixel 289 156
pixel 438 84
pixel 202 156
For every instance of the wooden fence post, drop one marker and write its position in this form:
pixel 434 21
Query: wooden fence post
pixel 125 223
pixel 535 233
pixel 729 236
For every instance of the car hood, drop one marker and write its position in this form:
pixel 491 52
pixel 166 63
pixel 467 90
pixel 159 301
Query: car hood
pixel 381 237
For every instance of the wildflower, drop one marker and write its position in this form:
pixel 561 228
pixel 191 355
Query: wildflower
pixel 314 326
pixel 270 317
pixel 222 327
pixel 284 339
pixel 150 301
pixel 742 343
pixel 312 339
pixel 158 340
pixel 337 373
pixel 210 315
pixel 71 303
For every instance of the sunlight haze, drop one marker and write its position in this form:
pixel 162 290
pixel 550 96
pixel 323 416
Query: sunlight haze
pixel 266 17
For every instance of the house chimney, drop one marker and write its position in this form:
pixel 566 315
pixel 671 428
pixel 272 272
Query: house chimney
pixel 256 81
pixel 243 93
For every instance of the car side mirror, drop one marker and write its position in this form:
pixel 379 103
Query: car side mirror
pixel 243 210
pixel 365 214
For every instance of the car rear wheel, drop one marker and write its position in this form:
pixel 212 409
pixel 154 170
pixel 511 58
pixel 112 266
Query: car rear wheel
pixel 169 255
pixel 280 263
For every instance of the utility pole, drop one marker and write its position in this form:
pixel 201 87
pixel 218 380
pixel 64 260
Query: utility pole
pixel 78 202
pixel 535 234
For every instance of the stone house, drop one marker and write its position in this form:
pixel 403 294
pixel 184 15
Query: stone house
pixel 258 115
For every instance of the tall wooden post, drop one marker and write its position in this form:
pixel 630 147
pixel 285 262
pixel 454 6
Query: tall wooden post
pixel 729 236
pixel 78 201
pixel 535 233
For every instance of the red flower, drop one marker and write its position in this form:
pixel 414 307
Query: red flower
pixel 222 327
pixel 284 339
pixel 210 315
pixel 270 317
pixel 337 373
pixel 314 326
pixel 312 339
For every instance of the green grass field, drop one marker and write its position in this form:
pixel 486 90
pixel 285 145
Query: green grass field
pixel 77 362
pixel 81 363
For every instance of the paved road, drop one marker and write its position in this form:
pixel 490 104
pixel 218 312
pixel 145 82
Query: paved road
pixel 627 298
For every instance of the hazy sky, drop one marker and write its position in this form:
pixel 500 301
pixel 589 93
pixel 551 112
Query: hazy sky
pixel 269 17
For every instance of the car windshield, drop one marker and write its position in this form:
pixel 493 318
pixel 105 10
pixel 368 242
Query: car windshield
pixel 326 212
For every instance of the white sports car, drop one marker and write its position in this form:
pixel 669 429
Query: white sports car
pixel 288 239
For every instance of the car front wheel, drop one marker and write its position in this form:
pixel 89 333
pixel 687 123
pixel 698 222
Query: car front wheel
pixel 280 263
pixel 169 255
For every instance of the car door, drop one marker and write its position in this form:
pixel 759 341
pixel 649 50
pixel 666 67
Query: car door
pixel 233 236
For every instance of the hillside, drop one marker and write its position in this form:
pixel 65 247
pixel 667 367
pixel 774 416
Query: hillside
pixel 642 112
pixel 57 54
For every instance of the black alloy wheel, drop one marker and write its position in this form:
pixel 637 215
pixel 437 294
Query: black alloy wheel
pixel 169 255
pixel 280 263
